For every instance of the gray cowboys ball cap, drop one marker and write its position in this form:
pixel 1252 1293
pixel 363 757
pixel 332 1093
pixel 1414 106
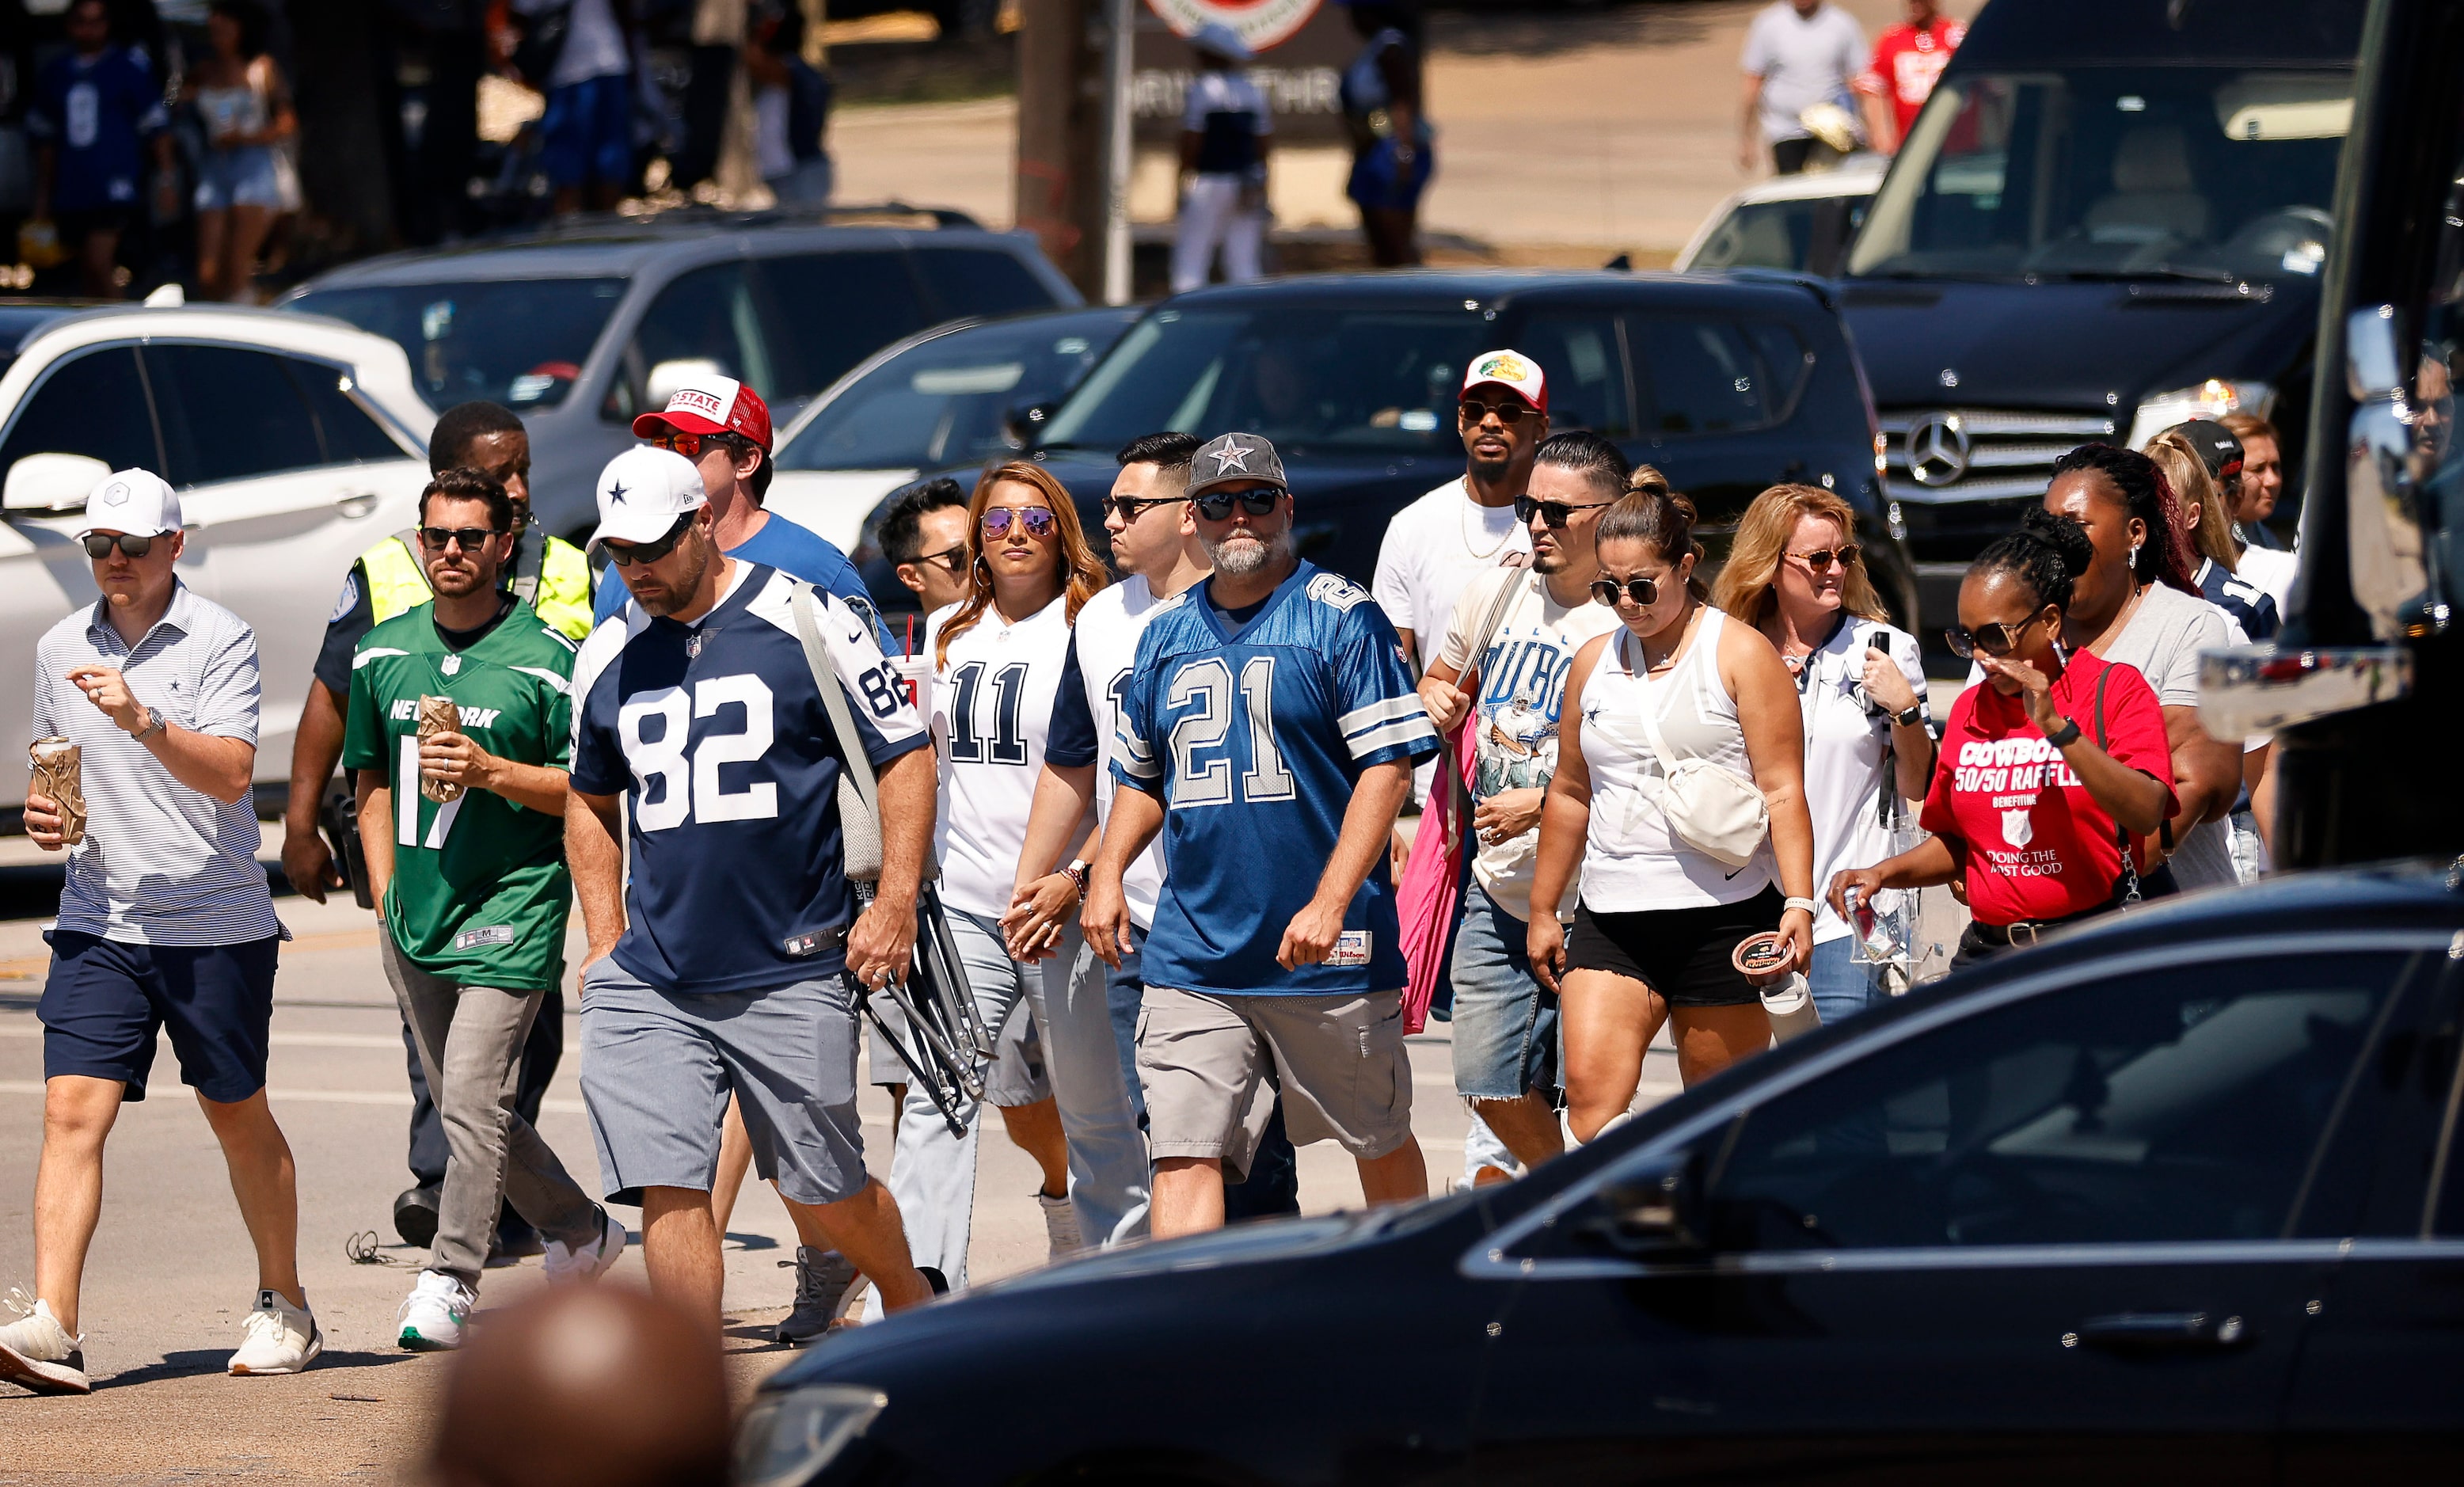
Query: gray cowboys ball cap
pixel 1231 458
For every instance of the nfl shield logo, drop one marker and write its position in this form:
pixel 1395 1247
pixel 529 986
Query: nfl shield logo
pixel 2016 828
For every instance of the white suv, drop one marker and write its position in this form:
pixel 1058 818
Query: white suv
pixel 294 443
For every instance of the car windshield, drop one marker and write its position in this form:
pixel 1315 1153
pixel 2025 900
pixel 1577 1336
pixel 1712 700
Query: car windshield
pixel 946 402
pixel 2112 172
pixel 1314 377
pixel 520 343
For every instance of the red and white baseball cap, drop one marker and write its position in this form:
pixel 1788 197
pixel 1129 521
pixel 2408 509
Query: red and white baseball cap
pixel 643 491
pixel 709 404
pixel 1511 370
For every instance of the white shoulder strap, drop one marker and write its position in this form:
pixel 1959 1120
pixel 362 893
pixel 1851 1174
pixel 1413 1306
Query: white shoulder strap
pixel 1650 711
pixel 858 793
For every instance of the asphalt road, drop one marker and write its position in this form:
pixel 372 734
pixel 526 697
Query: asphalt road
pixel 171 1276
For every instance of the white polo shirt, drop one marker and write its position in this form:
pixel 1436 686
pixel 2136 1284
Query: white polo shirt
pixel 161 863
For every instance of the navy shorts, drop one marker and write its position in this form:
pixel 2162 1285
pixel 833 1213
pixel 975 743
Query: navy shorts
pixel 106 999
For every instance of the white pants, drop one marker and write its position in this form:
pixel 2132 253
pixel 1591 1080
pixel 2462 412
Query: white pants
pixel 1211 214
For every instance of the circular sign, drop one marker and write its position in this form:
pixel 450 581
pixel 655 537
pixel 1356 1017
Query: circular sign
pixel 1261 23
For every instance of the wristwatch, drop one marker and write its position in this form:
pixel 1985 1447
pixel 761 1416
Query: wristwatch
pixel 1911 715
pixel 2065 735
pixel 155 723
pixel 1077 872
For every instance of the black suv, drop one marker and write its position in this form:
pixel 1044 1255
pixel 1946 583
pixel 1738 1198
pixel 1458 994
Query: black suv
pixel 1728 386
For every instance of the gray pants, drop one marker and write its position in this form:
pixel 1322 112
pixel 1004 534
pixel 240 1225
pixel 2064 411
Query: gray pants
pixel 470 1042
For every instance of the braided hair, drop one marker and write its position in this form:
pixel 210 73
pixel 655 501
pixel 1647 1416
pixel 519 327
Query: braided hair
pixel 2048 554
pixel 2164 557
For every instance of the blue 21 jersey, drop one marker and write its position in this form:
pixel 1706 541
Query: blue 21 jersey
pixel 718 738
pixel 1254 744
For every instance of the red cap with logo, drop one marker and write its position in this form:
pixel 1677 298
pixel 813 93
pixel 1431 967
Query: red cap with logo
pixel 1511 370
pixel 709 404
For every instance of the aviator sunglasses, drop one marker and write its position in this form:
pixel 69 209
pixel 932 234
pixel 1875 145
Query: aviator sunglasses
pixel 1556 512
pixel 649 552
pixel 1036 521
pixel 1644 592
pixel 1218 506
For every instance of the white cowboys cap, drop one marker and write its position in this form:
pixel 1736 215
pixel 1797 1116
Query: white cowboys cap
pixel 1233 457
pixel 643 491
pixel 135 503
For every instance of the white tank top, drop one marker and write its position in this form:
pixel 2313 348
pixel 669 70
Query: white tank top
pixel 1630 860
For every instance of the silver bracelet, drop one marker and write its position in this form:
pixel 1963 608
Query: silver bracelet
pixel 1806 903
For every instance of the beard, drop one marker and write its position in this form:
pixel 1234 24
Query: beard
pixel 458 582
pixel 1243 553
pixel 692 561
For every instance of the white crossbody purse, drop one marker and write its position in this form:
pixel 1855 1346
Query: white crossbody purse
pixel 1710 807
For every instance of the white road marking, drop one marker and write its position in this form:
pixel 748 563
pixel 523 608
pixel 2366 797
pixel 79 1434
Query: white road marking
pixel 399 1099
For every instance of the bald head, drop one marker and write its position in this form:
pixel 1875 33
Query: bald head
pixel 586 1386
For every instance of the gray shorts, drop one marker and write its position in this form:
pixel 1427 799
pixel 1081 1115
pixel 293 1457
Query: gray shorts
pixel 657 1068
pixel 1338 1060
pixel 1015 1075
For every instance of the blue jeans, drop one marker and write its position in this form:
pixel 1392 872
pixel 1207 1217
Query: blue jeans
pixel 1507 1040
pixel 1841 986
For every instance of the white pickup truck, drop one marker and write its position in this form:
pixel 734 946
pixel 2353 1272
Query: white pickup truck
pixel 294 442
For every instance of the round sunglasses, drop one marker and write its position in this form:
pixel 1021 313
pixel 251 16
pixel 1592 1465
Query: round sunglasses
pixel 1036 521
pixel 1644 592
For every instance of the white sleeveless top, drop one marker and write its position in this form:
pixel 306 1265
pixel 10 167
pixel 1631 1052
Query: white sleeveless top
pixel 1630 860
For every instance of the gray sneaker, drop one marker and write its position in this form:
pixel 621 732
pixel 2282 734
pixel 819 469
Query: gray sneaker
pixel 827 1286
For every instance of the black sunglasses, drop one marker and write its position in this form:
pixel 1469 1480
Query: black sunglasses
pixel 99 544
pixel 1644 592
pixel 1996 640
pixel 1472 410
pixel 950 559
pixel 627 556
pixel 1558 513
pixel 471 538
pixel 1129 507
pixel 1257 503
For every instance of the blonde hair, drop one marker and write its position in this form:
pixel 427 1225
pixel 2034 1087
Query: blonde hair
pixel 1748 581
pixel 1082 571
pixel 2179 459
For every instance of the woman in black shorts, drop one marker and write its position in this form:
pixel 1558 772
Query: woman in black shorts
pixel 1658 921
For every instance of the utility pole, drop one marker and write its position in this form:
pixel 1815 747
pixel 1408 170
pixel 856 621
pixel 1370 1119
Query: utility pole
pixel 1116 151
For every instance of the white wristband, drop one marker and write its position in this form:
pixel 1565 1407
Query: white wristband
pixel 1805 903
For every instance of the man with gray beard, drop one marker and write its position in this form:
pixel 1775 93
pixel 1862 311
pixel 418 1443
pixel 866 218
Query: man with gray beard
pixel 1268 730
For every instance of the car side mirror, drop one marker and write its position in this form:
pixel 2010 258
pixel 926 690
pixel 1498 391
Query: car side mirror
pixel 1655 1208
pixel 1022 426
pixel 51 483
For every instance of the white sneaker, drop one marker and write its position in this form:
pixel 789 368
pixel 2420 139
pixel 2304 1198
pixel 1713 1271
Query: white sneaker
pixel 567 1265
pixel 37 1352
pixel 1060 1224
pixel 433 1320
pixel 277 1338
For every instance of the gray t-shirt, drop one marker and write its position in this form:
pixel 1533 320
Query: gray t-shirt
pixel 1802 62
pixel 2164 639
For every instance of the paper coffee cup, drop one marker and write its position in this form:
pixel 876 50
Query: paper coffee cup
pixel 58 775
pixel 438 715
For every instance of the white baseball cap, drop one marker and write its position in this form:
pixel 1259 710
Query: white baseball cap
pixel 138 503
pixel 643 491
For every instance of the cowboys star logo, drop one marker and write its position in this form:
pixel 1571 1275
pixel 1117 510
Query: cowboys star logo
pixel 616 494
pixel 2017 828
pixel 1233 458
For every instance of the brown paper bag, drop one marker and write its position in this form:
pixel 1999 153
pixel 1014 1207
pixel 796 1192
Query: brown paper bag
pixel 438 715
pixel 57 774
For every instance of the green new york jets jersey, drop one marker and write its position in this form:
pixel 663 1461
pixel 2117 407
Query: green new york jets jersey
pixel 480 890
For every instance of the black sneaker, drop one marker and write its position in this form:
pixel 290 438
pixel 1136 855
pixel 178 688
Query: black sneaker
pixel 414 1215
pixel 827 1285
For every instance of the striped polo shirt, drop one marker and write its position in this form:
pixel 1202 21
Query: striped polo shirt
pixel 161 863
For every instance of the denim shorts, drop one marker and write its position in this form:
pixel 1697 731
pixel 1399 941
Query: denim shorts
pixel 106 1000
pixel 587 132
pixel 1506 1037
pixel 247 175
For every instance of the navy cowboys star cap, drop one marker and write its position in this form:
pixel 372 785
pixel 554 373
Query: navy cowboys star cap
pixel 1233 457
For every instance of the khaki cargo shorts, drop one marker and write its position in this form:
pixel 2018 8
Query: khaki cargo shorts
pixel 1210 1065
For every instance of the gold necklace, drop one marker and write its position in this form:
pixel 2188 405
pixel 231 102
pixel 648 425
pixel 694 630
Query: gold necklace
pixel 1463 522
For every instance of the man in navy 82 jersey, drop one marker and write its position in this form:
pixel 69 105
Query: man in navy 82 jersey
pixel 1268 730
pixel 718 969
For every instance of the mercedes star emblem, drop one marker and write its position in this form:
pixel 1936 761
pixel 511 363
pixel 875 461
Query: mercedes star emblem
pixel 1936 450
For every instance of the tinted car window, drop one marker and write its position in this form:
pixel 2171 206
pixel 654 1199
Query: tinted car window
pixel 350 435
pixel 974 281
pixel 1578 352
pixel 707 315
pixel 2182 1104
pixel 230 413
pixel 832 311
pixel 1707 377
pixel 520 343
pixel 92 406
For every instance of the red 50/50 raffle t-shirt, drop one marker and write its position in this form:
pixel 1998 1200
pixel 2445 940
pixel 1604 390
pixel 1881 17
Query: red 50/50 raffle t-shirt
pixel 2034 843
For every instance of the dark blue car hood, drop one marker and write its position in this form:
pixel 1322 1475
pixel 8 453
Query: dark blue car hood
pixel 2068 345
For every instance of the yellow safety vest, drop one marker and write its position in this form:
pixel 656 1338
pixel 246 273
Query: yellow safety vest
pixel 554 579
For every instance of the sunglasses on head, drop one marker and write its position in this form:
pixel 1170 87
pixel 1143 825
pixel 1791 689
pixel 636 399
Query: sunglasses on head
pixel 631 553
pixel 1217 507
pixel 1036 521
pixel 1997 640
pixel 688 445
pixel 471 538
pixel 1556 512
pixel 1644 592
pixel 99 544
pixel 1129 507
pixel 1821 559
pixel 1510 411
